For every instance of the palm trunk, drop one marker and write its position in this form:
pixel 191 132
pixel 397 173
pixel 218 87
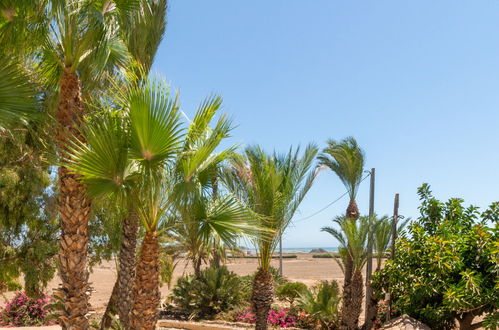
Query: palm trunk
pixel 196 263
pixel 127 264
pixel 74 208
pixel 121 301
pixel 353 210
pixel 144 313
pixel 353 214
pixel 261 297
pixel 352 303
pixel 111 310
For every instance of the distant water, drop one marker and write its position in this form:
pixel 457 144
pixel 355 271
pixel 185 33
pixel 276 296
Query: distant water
pixel 302 250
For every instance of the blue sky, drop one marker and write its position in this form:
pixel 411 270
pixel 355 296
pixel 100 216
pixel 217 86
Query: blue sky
pixel 416 82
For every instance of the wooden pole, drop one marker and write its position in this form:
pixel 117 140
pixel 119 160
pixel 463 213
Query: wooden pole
pixel 394 223
pixel 280 255
pixel 369 266
pixel 392 254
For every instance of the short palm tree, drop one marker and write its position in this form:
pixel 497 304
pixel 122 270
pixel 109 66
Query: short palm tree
pixel 73 43
pixel 346 159
pixel 383 235
pixel 273 186
pixel 352 238
pixel 203 215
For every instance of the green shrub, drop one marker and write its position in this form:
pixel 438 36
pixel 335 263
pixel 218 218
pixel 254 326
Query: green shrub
pixel 321 304
pixel 445 269
pixel 217 290
pixel 286 256
pixel 324 255
pixel 290 291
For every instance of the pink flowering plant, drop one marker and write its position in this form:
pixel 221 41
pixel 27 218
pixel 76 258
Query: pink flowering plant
pixel 278 317
pixel 281 318
pixel 23 310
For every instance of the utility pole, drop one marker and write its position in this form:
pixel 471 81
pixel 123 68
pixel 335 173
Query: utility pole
pixel 394 223
pixel 392 254
pixel 280 255
pixel 369 266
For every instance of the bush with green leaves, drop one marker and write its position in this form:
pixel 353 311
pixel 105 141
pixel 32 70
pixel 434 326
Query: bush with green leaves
pixel 217 290
pixel 321 304
pixel 290 291
pixel 446 269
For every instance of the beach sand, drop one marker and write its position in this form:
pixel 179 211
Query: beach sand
pixel 304 269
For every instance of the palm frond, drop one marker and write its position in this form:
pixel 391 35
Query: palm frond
pixel 155 124
pixel 103 160
pixel 346 159
pixel 273 187
pixel 143 28
pixel 18 97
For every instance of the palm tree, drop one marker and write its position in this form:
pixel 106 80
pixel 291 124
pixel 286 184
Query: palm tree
pixel 143 31
pixel 346 160
pixel 273 186
pixel 352 237
pixel 383 235
pixel 126 154
pixel 202 214
pixel 73 43
pixel 138 155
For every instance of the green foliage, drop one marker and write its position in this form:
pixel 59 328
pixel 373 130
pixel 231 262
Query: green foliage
pixel 346 159
pixel 287 256
pixel 28 225
pixel 321 303
pixel 104 231
pixel 18 101
pixel 352 237
pixel 216 290
pixel 272 186
pixel 290 291
pixel 447 267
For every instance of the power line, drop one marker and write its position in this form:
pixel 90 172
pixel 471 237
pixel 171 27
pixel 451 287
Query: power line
pixel 328 205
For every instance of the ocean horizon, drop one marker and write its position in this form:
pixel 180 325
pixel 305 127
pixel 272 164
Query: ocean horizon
pixel 300 249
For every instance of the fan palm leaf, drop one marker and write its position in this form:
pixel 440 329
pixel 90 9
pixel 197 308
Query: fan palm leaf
pixel 18 97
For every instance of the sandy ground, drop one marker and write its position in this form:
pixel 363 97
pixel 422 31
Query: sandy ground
pixel 305 269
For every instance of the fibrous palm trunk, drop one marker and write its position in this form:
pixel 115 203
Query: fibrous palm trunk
pixel 111 309
pixel 74 208
pixel 127 264
pixel 144 313
pixel 353 210
pixel 121 300
pixel 352 307
pixel 261 297
pixel 352 214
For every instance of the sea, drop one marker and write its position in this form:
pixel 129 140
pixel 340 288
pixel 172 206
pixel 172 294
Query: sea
pixel 300 249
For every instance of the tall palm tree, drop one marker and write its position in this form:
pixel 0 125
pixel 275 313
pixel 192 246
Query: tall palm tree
pixel 132 149
pixel 273 186
pixel 346 159
pixel 352 237
pixel 142 32
pixel 73 43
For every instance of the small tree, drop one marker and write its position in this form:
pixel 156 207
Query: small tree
pixel 447 268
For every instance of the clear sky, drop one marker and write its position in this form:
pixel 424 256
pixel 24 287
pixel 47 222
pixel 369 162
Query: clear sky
pixel 416 82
